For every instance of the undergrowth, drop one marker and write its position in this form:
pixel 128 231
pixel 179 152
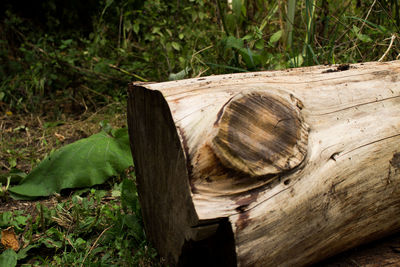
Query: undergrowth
pixel 75 59
pixel 92 227
pixel 64 59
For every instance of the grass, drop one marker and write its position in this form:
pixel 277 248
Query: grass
pixel 100 226
pixel 86 228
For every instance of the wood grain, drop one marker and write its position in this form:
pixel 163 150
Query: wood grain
pixel 290 166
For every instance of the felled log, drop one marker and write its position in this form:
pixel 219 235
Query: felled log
pixel 278 168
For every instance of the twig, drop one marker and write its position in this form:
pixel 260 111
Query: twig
pixel 94 244
pixel 201 50
pixel 69 241
pixel 127 73
pixel 389 47
pixel 369 12
pixel 93 91
pixel 5 166
pixel 195 56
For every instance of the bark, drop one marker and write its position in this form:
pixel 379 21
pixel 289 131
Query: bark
pixel 268 168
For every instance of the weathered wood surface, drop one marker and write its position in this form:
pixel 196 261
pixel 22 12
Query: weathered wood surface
pixel 279 168
pixel 382 252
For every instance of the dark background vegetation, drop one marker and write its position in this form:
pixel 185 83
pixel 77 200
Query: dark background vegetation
pixel 65 66
pixel 56 50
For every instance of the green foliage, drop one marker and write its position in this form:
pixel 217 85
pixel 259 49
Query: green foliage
pixel 8 258
pixel 89 63
pixel 86 229
pixel 84 163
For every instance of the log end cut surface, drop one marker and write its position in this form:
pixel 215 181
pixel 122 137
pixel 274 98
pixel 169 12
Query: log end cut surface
pixel 161 174
pixel 170 219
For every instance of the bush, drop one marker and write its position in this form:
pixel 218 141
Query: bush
pixel 69 56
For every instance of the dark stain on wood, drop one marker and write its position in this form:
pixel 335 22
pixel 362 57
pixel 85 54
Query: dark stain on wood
pixel 248 199
pixel 221 111
pixel 297 101
pixel 341 67
pixel 395 162
pixel 243 221
pixel 241 208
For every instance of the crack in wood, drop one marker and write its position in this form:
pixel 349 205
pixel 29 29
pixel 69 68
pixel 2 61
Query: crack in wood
pixel 358 105
pixel 370 143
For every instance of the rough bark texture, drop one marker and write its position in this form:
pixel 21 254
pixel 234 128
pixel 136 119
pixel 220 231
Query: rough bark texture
pixel 269 168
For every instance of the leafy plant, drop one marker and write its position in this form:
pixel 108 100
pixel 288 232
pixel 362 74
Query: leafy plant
pixel 84 163
pixel 8 258
pixel 96 226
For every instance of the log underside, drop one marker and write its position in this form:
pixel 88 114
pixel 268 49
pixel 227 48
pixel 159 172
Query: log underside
pixel 269 168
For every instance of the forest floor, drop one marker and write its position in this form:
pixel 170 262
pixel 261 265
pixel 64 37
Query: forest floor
pixel 25 140
pixel 63 229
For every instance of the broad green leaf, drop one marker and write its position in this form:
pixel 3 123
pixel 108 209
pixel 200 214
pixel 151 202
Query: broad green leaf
pixel 85 163
pixel 202 15
pixel 65 43
pixel 233 42
pixel 176 46
pixel 180 75
pixel 248 37
pixel 259 44
pixel 5 218
pixel 362 37
pixel 8 258
pixel 157 30
pixel 275 37
pixel 12 162
pixel 379 27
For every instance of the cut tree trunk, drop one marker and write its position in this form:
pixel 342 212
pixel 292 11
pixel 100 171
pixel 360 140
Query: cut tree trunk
pixel 278 168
